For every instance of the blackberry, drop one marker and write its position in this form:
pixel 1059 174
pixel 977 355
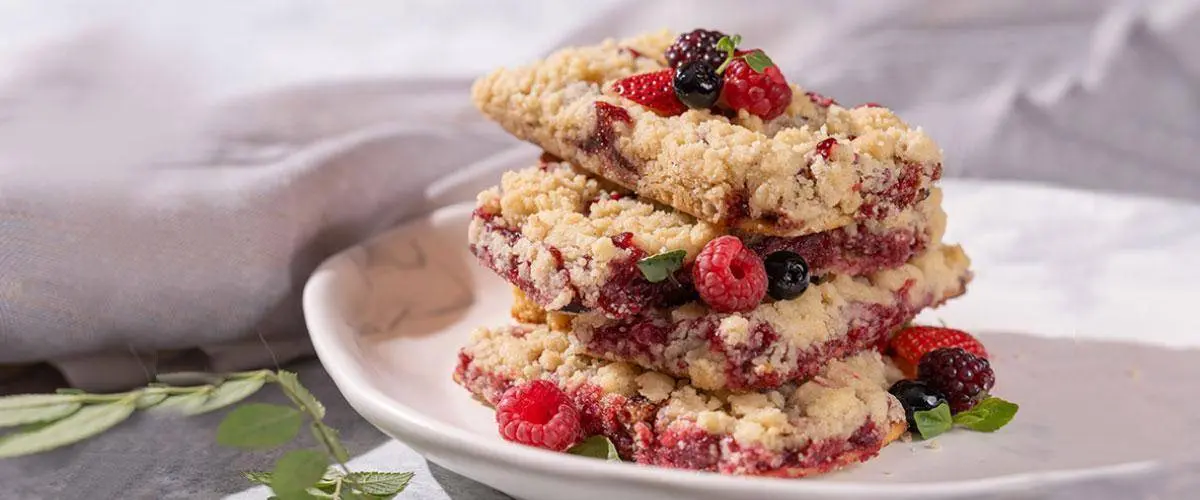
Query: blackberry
pixel 697 84
pixel 700 44
pixel 962 377
pixel 787 275
pixel 914 396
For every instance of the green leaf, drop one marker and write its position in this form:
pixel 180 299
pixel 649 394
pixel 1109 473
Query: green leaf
pixel 69 390
pixel 662 266
pixel 226 394
pixel 933 422
pixel 182 403
pixel 596 447
pixel 87 422
pixel 328 436
pixel 188 379
pixel 988 416
pixel 296 472
pixel 758 61
pixel 259 426
pixel 291 385
pixel 34 400
pixel 148 400
pixel 19 416
pixel 257 477
pixel 385 484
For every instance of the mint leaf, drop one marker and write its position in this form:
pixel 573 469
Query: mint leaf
pixel 727 45
pixel 34 414
pixel 148 400
pixel 33 400
pixel 296 472
pixel 301 396
pixel 85 423
pixel 933 422
pixel 758 61
pixel 596 447
pixel 662 266
pixel 226 394
pixel 988 416
pixel 182 403
pixel 384 484
pixel 257 477
pixel 185 379
pixel 328 436
pixel 259 425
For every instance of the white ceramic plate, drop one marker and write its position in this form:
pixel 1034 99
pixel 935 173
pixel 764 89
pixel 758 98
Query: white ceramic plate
pixel 1088 303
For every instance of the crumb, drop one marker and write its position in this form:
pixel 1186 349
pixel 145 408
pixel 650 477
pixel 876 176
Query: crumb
pixel 933 445
pixel 1135 373
pixel 887 473
pixel 906 438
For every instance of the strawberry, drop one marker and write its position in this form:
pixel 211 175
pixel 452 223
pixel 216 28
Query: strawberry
pixel 912 343
pixel 652 90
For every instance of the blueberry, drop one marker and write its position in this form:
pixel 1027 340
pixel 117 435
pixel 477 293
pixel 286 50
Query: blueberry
pixel 787 275
pixel 916 396
pixel 697 84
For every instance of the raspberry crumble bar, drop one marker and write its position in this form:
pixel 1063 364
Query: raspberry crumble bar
pixel 842 416
pixel 572 242
pixel 778 341
pixel 796 163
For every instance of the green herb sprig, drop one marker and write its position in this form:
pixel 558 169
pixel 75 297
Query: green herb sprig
pixel 988 416
pixel 44 422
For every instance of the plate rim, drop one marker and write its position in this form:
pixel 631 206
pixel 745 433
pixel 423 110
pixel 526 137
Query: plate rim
pixel 329 334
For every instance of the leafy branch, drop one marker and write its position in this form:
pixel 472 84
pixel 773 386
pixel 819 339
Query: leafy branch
pixel 49 421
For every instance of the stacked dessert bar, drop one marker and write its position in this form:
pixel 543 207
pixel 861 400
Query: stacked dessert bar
pixel 706 277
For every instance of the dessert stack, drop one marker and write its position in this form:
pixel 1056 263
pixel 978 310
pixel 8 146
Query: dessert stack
pixel 708 263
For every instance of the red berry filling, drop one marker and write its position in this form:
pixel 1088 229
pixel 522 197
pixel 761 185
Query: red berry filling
pixel 826 147
pixel 539 414
pixel 728 276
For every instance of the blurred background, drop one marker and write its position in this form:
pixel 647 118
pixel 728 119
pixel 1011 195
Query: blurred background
pixel 171 172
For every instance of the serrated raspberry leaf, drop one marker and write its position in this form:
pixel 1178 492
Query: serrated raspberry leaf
pixel 657 268
pixel 932 423
pixel 596 447
pixel 758 61
pixel 988 416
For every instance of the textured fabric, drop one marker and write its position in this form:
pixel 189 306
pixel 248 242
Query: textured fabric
pixel 169 175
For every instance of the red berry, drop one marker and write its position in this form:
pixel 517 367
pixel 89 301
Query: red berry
pixel 653 90
pixel 826 147
pixel 820 100
pixel 962 377
pixel 912 343
pixel 728 276
pixel 700 44
pixel 539 414
pixel 765 94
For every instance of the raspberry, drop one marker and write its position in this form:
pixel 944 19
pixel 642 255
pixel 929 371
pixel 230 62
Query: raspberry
pixel 728 276
pixel 653 90
pixel 539 414
pixel 700 44
pixel 766 94
pixel 962 377
pixel 912 343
